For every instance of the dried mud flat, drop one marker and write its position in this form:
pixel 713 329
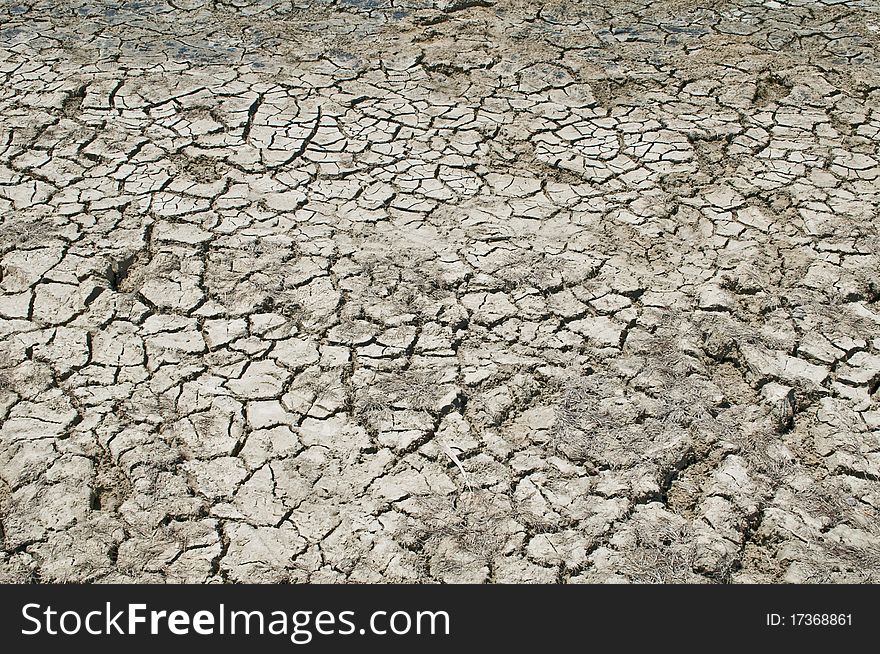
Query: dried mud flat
pixel 452 291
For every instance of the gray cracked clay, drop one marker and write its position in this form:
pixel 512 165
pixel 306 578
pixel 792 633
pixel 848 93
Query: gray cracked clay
pixel 439 292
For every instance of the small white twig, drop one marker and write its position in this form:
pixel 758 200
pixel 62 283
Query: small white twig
pixel 457 462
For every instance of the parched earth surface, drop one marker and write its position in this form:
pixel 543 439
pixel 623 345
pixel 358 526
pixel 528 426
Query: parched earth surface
pixel 448 291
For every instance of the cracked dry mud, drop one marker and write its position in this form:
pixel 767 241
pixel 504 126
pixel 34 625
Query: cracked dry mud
pixel 451 291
